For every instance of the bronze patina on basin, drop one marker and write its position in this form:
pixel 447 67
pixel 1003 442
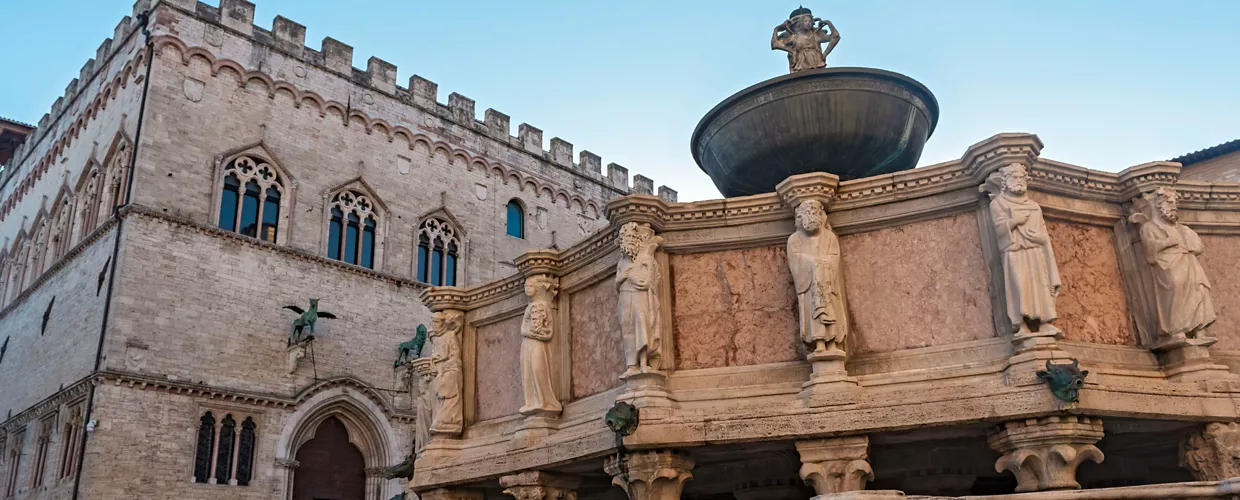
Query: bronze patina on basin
pixel 851 122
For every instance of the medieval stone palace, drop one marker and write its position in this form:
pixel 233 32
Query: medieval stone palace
pixel 235 267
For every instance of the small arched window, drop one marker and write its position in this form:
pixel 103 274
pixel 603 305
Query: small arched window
pixel 516 220
pixel 352 228
pixel 202 452
pixel 228 458
pixel 250 200
pixel 438 253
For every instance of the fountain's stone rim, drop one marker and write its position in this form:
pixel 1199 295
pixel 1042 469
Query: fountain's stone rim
pixel 871 73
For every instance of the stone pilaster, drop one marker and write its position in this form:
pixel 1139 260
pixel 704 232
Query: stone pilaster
pixel 651 475
pixel 1213 453
pixel 836 465
pixel 535 485
pixel 451 494
pixel 1044 453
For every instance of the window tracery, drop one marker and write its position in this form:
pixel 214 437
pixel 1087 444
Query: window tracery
pixel 439 250
pixel 42 444
pixel 70 440
pixel 353 232
pixel 88 208
pixel 116 179
pixel 252 198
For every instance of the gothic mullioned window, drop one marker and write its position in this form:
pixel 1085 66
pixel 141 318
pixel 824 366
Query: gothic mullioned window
pixel 251 198
pixel 516 219
pixel 14 454
pixel 88 200
pixel 353 228
pixel 439 249
pixel 70 440
pixel 222 455
pixel 42 443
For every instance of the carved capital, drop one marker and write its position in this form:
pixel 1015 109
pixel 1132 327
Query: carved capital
pixel 285 463
pixel 818 186
pixel 651 475
pixel 1213 453
pixel 1147 177
pixel 640 208
pixel 374 471
pixel 443 298
pixel 538 261
pixel 986 157
pixel 536 485
pixel 836 465
pixel 1044 453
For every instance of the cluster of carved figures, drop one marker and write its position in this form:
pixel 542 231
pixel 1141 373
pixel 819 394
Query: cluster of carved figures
pixel 1043 453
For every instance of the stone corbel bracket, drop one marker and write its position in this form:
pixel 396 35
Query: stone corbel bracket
pixel 539 261
pixel 296 353
pixel 1044 453
pixel 818 186
pixel 442 298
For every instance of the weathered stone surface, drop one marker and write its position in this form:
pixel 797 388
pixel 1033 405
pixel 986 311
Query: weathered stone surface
pixel 734 308
pixel 918 285
pixel 499 369
pixel 595 344
pixel 1092 306
pixel 1220 262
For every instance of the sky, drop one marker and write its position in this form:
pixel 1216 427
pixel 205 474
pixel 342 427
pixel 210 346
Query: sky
pixel 1105 84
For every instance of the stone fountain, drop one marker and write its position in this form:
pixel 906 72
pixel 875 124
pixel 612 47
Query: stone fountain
pixel 851 122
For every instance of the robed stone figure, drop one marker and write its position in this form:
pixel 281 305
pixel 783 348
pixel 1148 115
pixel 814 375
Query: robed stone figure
pixel 1030 273
pixel 446 358
pixel 802 36
pixel 638 279
pixel 1181 289
pixel 536 333
pixel 814 260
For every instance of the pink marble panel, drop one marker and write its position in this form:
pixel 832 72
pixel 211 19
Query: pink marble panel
pixel 734 308
pixel 499 370
pixel 1093 305
pixel 598 358
pixel 1221 260
pixel 917 285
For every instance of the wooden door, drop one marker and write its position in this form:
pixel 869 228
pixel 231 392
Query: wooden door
pixel 329 466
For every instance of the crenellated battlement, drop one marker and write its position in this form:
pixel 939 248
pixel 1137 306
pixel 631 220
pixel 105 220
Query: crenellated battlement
pixel 288 37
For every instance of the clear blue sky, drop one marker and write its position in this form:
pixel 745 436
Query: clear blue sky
pixel 1105 84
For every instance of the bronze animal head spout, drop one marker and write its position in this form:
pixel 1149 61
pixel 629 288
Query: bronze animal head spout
pixel 1065 380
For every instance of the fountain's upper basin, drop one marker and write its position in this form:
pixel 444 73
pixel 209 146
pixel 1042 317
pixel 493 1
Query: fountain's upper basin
pixel 851 122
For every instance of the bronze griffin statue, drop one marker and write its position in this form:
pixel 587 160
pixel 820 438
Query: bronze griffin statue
pixel 306 320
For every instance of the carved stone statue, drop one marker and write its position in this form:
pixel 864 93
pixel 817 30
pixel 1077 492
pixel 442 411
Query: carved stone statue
pixel 536 332
pixel 446 358
pixel 814 259
pixel 802 36
pixel 1030 274
pixel 638 279
pixel 425 380
pixel 1181 290
pixel 1213 453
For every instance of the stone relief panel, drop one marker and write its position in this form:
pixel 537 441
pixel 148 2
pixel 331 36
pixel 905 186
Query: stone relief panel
pixel 734 308
pixel 1093 306
pixel 1219 260
pixel 917 285
pixel 499 369
pixel 597 358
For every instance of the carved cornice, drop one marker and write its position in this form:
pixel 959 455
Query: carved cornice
pixel 259 399
pixel 986 157
pixel 70 394
pixel 641 208
pixel 1146 177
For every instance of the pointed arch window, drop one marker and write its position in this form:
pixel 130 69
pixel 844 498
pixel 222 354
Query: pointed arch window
pixel 88 207
pixel 202 452
pixel 516 219
pixel 224 455
pixel 70 440
pixel 116 179
pixel 439 250
pixel 245 453
pixel 353 228
pixel 252 198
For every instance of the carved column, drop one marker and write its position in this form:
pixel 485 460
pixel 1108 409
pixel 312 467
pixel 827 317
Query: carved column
pixel 836 465
pixel 644 307
pixel 1213 453
pixel 375 482
pixel 815 263
pixel 1044 453
pixel 535 485
pixel 651 475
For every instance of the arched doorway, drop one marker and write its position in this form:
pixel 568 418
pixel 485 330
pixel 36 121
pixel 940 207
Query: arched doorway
pixel 329 466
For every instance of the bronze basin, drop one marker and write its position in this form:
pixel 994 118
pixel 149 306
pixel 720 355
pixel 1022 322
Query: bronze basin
pixel 851 122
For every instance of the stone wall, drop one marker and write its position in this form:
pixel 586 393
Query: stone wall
pixel 1093 304
pixel 597 357
pixel 1220 262
pixel 204 307
pixel 917 285
pixel 39 362
pixel 498 377
pixel 734 308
